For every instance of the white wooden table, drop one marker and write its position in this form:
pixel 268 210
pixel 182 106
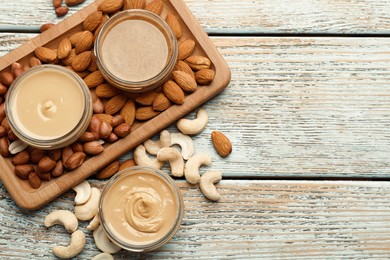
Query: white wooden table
pixel 308 113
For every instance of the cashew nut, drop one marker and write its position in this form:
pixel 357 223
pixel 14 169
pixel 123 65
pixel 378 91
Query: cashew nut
pixel 191 170
pixel 94 224
pixel 90 208
pixel 207 184
pixel 194 126
pixel 103 243
pixel 62 217
pixel 185 142
pixel 175 160
pixel 17 146
pixel 103 256
pixel 83 192
pixel 142 159
pixel 153 147
pixel 77 244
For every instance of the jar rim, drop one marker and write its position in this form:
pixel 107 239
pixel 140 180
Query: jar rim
pixel 179 210
pixel 60 141
pixel 152 18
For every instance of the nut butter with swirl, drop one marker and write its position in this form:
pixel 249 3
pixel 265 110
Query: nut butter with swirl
pixel 141 209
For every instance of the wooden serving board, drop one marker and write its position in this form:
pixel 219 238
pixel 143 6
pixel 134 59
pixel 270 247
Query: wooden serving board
pixel 28 198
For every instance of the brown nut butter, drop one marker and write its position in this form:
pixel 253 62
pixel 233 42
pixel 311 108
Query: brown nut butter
pixel 141 209
pixel 136 50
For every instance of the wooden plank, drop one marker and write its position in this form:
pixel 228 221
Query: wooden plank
pixel 299 107
pixel 254 219
pixel 226 16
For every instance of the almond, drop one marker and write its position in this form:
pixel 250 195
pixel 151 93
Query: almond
pixel 21 158
pixel 46 164
pixel 93 147
pixel 58 170
pixel 173 22
pixel 122 130
pixel 115 104
pixel 68 60
pixel 110 6
pixel 128 112
pixel 93 65
pixel 185 81
pixel 62 11
pixel 221 143
pixel 4 146
pixel 104 117
pixel 45 27
pixel 34 180
pixel 64 48
pixel 185 49
pixel 75 160
pixel 127 164
pixel 86 137
pixel 161 102
pixel 94 79
pixel 108 171
pixel 92 22
pixel 56 3
pixel 81 62
pixel 145 113
pixel 182 66
pixel 134 4
pixel 34 61
pixel 84 43
pixel 73 2
pixel 155 6
pixel 197 62
pixel 7 78
pixel 22 171
pixel 204 76
pixel 45 54
pixel 36 155
pixel 75 37
pixel 106 91
pixel 147 98
pixel 173 92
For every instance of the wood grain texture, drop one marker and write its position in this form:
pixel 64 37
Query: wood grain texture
pixel 225 16
pixel 253 220
pixel 299 107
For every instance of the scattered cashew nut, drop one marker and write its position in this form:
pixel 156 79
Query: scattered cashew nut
pixel 17 146
pixel 194 126
pixel 77 244
pixel 142 159
pixel 88 210
pixel 191 170
pixel 103 256
pixel 83 192
pixel 153 147
pixel 185 142
pixel 175 160
pixel 103 243
pixel 65 218
pixel 207 186
pixel 94 224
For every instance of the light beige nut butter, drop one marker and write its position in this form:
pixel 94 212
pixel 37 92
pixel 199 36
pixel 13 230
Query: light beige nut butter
pixel 140 209
pixel 136 50
pixel 48 106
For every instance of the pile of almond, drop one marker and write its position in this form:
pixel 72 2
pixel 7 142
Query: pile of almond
pixel 115 112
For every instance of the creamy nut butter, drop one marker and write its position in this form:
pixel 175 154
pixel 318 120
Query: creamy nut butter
pixel 48 106
pixel 141 209
pixel 136 50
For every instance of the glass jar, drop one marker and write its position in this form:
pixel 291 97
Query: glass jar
pixel 136 50
pixel 141 209
pixel 48 107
